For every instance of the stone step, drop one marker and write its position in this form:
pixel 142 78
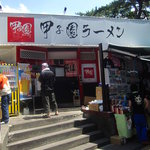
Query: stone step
pixel 128 146
pixel 71 142
pixel 68 130
pixel 32 132
pixel 32 121
pixel 50 137
pixel 92 145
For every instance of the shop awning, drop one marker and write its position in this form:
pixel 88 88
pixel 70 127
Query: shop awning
pixel 142 53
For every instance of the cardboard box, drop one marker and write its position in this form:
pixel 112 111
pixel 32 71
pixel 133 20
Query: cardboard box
pixel 94 107
pixel 99 93
pixel 115 139
pixel 88 99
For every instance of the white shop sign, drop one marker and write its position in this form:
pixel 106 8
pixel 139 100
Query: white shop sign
pixel 53 30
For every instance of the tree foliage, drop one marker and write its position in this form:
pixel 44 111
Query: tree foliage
pixel 132 9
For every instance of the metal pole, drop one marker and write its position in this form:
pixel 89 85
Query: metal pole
pixel 104 87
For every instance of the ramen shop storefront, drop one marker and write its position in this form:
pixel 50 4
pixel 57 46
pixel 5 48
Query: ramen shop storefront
pixel 69 44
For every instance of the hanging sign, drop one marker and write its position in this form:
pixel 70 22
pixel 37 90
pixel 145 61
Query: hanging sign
pixel 89 73
pixel 70 68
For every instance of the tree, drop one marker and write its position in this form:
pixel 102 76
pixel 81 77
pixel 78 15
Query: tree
pixel 132 9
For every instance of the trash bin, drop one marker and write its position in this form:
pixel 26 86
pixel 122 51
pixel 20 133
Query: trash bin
pixel 124 125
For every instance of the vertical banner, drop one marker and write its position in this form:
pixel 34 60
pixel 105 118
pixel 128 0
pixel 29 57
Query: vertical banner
pixel 71 68
pixel 89 73
pixel 25 87
pixel 20 29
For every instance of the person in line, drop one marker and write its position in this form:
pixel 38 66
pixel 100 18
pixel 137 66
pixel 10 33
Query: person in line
pixel 47 80
pixel 5 93
pixel 138 104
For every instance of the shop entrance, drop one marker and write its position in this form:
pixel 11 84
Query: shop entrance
pixel 64 63
pixel 76 70
pixel 64 88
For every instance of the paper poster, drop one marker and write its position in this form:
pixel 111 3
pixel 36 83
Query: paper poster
pixel 24 81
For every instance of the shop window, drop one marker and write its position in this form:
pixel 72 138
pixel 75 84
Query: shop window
pixel 58 61
pixel 87 56
pixel 59 72
pixel 32 55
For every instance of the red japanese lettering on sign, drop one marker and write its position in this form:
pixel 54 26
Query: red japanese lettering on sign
pixel 20 29
pixel 88 72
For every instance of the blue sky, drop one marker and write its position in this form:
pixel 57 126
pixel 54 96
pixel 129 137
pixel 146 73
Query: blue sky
pixel 51 6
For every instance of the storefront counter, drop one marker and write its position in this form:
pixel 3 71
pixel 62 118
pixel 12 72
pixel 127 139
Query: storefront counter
pixel 106 114
pixel 104 120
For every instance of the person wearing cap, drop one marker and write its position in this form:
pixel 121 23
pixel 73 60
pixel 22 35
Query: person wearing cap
pixel 5 93
pixel 47 79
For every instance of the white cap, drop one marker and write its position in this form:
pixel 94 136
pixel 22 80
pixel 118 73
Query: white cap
pixel 45 65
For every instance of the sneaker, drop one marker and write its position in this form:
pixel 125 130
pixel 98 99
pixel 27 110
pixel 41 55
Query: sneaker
pixel 2 123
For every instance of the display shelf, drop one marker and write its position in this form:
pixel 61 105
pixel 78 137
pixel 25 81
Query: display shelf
pixel 106 114
pixel 118 88
pixel 117 81
pixel 11 73
pixel 11 80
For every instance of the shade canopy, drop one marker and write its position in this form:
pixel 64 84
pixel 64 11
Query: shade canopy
pixel 142 53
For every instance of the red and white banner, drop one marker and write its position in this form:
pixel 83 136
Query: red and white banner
pixel 88 72
pixel 20 29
